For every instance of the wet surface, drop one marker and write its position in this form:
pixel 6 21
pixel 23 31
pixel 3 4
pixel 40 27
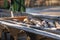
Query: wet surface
pixel 43 9
pixel 51 11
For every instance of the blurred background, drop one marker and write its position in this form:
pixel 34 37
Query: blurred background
pixel 33 3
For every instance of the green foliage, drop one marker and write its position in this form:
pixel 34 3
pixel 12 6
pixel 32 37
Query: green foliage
pixel 22 6
pixel 5 3
pixel 18 5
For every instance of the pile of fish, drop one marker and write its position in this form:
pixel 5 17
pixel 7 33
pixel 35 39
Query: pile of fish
pixel 41 24
pixel 35 23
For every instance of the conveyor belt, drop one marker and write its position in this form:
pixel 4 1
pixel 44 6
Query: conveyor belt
pixel 32 30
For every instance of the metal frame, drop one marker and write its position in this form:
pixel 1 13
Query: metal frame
pixel 32 30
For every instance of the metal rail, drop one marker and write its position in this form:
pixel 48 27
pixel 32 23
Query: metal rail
pixel 32 30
